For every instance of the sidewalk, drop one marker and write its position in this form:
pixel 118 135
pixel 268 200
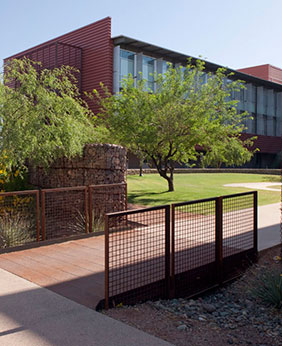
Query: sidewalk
pixel 268 226
pixel 34 316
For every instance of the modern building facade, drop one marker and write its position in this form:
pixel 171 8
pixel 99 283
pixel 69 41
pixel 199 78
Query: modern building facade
pixel 102 58
pixel 267 72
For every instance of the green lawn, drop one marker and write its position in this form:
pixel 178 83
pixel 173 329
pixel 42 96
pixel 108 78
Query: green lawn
pixel 151 189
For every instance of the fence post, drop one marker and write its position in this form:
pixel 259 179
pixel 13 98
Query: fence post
pixel 256 222
pixel 106 262
pixel 43 215
pixel 86 208
pixel 37 216
pixel 90 208
pixel 172 267
pixel 218 240
pixel 167 250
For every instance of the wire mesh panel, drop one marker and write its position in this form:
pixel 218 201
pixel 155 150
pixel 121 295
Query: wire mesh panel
pixel 137 255
pixel 238 230
pixel 193 246
pixel 19 218
pixel 106 198
pixel 64 212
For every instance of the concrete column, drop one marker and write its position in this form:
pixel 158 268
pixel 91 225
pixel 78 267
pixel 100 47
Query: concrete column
pixel 116 69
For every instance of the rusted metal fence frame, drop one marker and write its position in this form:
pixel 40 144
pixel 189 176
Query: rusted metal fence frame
pixel 170 252
pixel 218 232
pixel 61 189
pixel 25 193
pixel 245 257
pixel 125 214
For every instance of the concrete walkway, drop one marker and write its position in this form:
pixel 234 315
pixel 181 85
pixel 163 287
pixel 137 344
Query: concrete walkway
pixel 268 226
pixel 34 316
pixel 258 186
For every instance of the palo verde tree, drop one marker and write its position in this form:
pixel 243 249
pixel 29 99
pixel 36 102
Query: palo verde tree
pixel 189 109
pixel 42 116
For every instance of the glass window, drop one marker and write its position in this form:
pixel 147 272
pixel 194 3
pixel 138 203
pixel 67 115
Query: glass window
pixel 148 72
pixel 165 66
pixel 274 126
pixel 254 98
pixel 265 125
pixel 265 99
pixel 126 64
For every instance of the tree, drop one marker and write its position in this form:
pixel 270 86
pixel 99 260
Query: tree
pixel 42 116
pixel 190 108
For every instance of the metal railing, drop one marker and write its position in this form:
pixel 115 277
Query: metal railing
pixel 38 215
pixel 178 250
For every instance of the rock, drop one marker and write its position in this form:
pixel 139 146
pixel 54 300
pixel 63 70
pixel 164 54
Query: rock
pixel 202 318
pixel 209 308
pixel 182 327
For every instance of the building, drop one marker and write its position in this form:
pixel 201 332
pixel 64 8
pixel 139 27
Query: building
pixel 267 72
pixel 102 58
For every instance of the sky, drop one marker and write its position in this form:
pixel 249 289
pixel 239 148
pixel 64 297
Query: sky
pixel 233 33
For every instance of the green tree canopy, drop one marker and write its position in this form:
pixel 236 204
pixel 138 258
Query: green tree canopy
pixel 189 109
pixel 42 116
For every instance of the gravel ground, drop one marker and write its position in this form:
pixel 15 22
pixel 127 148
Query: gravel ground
pixel 224 317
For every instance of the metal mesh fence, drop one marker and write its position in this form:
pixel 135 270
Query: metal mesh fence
pixel 137 255
pixel 193 245
pixel 237 223
pixel 106 198
pixel 19 218
pixel 64 212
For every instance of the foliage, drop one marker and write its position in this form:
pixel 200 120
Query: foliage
pixel 15 229
pixel 266 284
pixel 78 226
pixel 184 112
pixel 42 116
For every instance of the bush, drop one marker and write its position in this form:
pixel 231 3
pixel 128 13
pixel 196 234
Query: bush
pixel 15 229
pixel 266 285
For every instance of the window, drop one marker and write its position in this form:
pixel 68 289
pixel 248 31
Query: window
pixel 165 66
pixel 148 71
pixel 274 126
pixel 126 64
pixel 265 101
pixel 265 125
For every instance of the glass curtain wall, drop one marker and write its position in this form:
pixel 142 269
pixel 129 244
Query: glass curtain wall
pixel 126 64
pixel 148 64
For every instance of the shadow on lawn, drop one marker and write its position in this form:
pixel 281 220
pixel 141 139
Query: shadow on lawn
pixel 140 198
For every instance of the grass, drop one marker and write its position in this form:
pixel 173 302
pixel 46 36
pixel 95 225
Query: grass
pixel 151 189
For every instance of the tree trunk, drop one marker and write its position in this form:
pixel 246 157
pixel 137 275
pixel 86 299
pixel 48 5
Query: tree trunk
pixel 170 184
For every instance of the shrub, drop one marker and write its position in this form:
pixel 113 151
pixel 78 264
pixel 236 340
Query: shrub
pixel 78 225
pixel 15 229
pixel 266 285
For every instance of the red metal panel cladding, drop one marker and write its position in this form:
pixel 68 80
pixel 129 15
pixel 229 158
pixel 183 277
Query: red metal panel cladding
pixel 97 55
pixel 266 144
pixel 267 72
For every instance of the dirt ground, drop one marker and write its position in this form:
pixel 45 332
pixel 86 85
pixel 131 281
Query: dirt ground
pixel 180 330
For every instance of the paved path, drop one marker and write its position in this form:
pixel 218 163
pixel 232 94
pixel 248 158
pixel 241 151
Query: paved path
pixel 34 316
pixel 74 269
pixel 268 226
pixel 257 186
